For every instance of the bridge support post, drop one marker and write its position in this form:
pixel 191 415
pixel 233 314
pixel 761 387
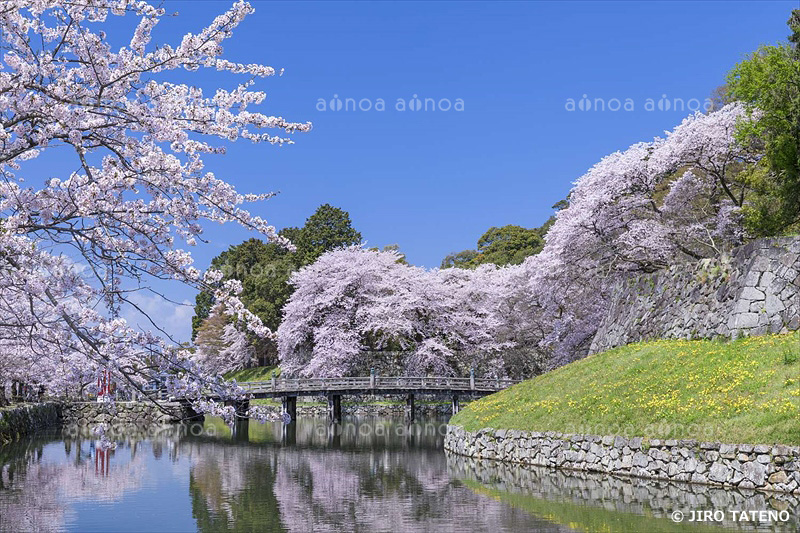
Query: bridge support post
pixel 241 429
pixel 242 407
pixel 334 436
pixel 456 407
pixel 190 415
pixel 290 406
pixel 288 434
pixel 335 407
pixel 410 407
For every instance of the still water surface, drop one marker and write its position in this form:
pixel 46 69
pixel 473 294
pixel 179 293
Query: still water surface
pixel 367 474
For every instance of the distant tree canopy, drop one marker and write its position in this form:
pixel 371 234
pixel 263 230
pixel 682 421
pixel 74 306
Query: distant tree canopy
pixel 506 245
pixel 768 82
pixel 264 269
pixel 392 248
pixel 461 259
pixel 327 229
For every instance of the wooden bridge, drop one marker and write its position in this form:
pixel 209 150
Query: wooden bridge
pixel 288 389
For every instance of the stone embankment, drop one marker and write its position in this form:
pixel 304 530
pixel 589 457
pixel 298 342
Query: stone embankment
pixel 16 422
pixel 764 467
pixel 124 413
pixel 753 291
pixel 19 421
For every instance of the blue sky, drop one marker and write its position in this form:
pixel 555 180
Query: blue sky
pixel 434 181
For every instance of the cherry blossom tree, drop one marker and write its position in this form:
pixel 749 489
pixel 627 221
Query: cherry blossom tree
pixel 221 347
pixel 353 305
pixel 74 248
pixel 657 203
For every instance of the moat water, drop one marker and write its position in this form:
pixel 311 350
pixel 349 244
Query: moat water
pixel 366 474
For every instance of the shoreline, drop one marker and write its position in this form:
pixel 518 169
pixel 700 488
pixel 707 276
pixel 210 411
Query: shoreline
pixel 769 468
pixel 21 420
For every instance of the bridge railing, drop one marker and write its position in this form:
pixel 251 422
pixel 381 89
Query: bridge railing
pixel 284 384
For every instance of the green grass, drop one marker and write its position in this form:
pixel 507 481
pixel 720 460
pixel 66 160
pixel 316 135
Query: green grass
pixel 256 373
pixel 277 402
pixel 745 391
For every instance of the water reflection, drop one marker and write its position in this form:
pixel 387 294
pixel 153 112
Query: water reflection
pixel 38 477
pixel 363 475
pixel 367 474
pixel 594 502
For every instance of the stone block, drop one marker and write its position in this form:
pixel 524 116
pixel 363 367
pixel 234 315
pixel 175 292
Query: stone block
pixel 640 459
pixel 751 293
pixel 778 477
pixel 746 320
pixel 755 472
pixel 718 473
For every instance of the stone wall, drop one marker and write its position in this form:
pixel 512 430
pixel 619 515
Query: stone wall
pixel 767 468
pixel 753 291
pixel 123 413
pixel 146 414
pixel 16 422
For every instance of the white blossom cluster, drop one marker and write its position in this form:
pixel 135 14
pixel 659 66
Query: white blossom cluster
pixel 134 188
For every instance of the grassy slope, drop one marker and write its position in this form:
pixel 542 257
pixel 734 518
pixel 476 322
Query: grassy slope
pixel 257 373
pixel 746 391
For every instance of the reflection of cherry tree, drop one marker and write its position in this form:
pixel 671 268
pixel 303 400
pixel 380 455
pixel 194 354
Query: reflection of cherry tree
pixel 220 471
pixel 39 490
pixel 267 486
pixel 375 491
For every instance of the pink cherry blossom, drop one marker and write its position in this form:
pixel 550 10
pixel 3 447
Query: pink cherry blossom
pixel 134 193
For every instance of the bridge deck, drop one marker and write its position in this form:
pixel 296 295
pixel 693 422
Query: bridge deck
pixel 374 385
pixel 289 389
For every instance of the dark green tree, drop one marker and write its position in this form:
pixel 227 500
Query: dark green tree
pixel 264 269
pixel 461 259
pixel 327 229
pixel 506 245
pixel 509 245
pixel 769 81
pixel 794 25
